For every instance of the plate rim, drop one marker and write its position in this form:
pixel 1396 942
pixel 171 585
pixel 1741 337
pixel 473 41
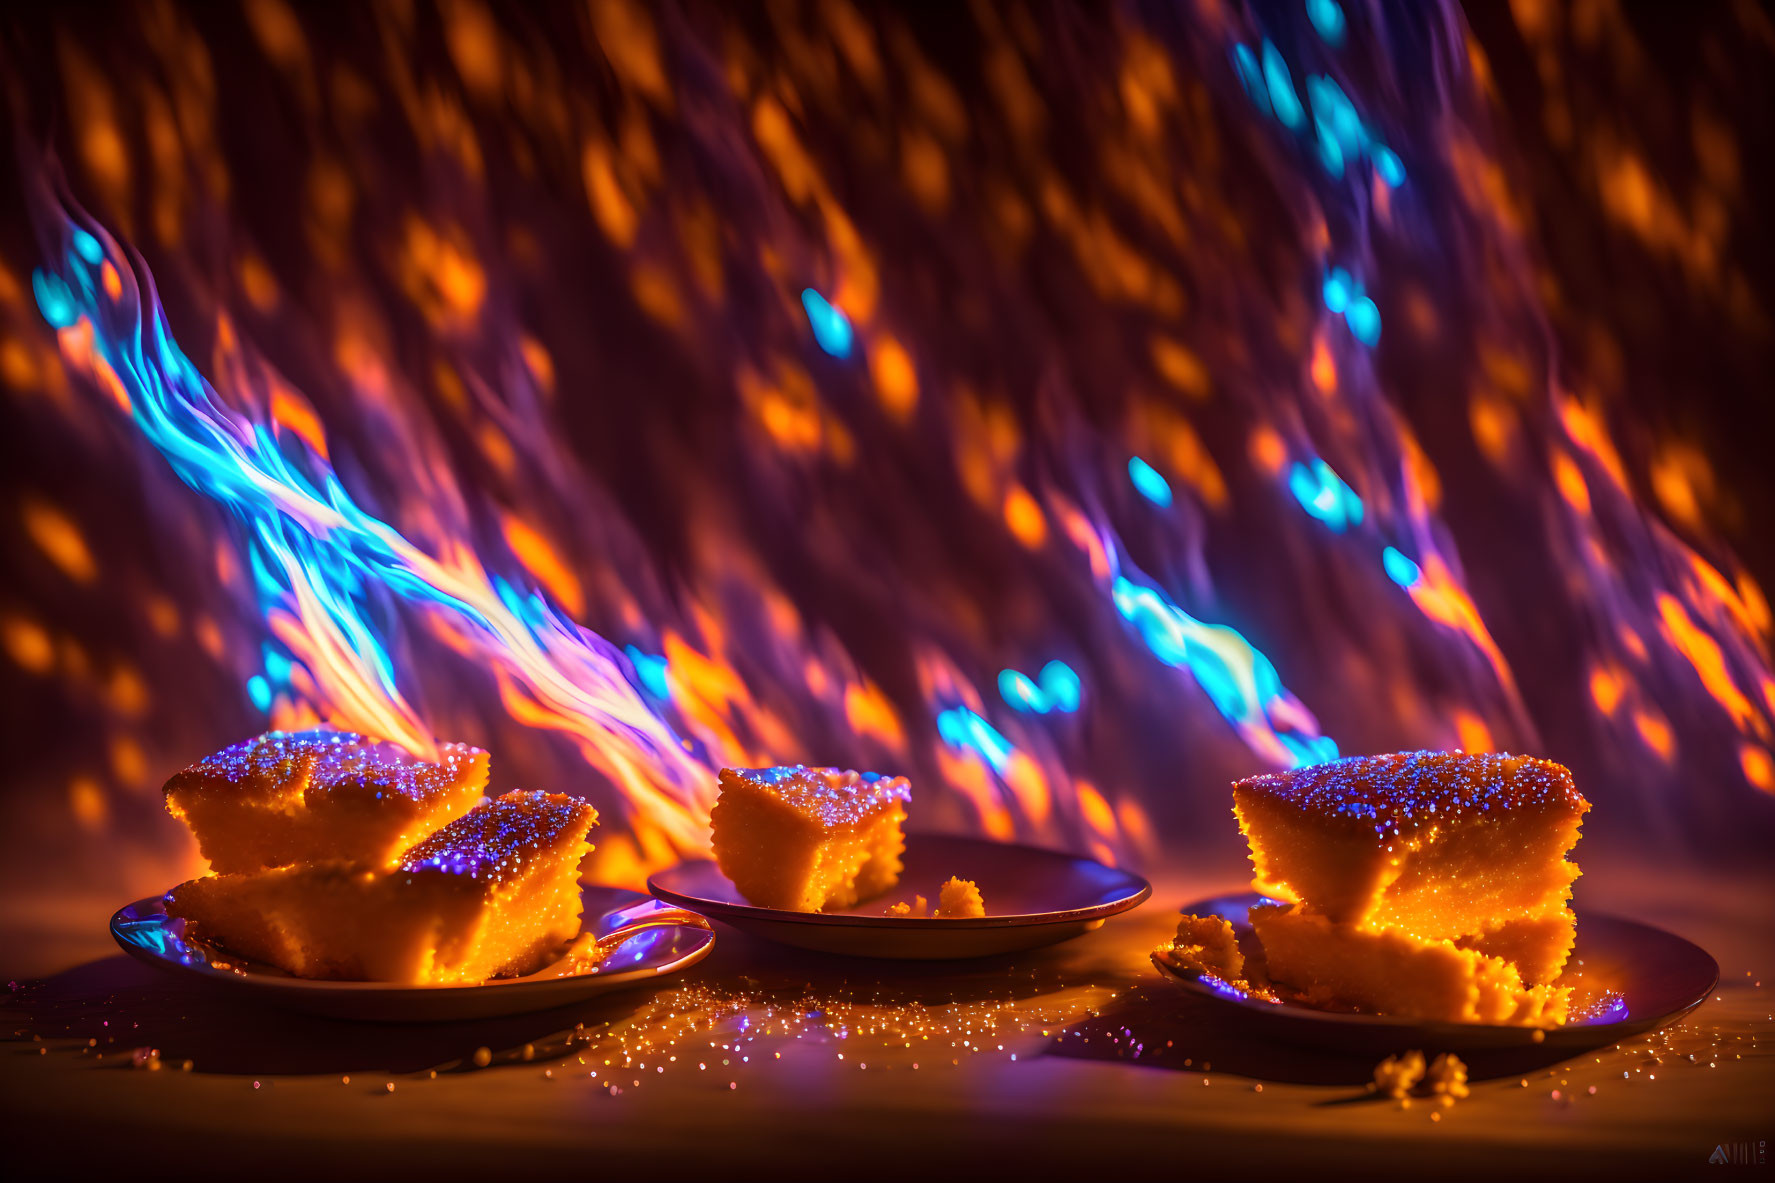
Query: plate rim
pixel 722 909
pixel 1303 1013
pixel 283 982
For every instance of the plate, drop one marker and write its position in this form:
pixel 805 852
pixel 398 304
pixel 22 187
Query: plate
pixel 1033 897
pixel 1652 977
pixel 625 938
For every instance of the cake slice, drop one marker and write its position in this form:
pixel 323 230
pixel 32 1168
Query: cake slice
pixel 1388 972
pixel 494 893
pixel 809 839
pixel 1438 845
pixel 321 796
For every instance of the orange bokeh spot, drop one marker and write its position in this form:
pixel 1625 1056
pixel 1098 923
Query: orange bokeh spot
pixel 1759 768
pixel 869 712
pixel 1606 689
pixel 1324 367
pixel 60 541
pixel 1472 733
pixel 1493 424
pixel 1268 451
pixel 27 644
pixel 1709 660
pixel 1024 517
pixel 129 764
pixel 1572 485
pixel 539 363
pixel 1179 366
pixel 293 412
pixel 896 382
pixel 1095 809
pixel 87 801
pixel 1655 730
pixel 541 559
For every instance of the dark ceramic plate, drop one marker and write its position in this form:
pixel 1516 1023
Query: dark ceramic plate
pixel 1653 977
pixel 625 938
pixel 1033 897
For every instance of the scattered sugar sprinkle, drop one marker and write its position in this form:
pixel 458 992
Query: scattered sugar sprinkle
pixel 688 1028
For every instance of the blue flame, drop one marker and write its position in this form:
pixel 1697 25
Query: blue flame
pixel 87 247
pixel 1058 689
pixel 318 557
pixel 1062 686
pixel 1339 135
pixel 964 730
pixel 1322 493
pixel 1240 681
pixel 651 669
pixel 1328 19
pixel 1388 165
pixel 832 328
pixel 1149 482
pixel 1364 320
pixel 1400 569
pixel 1018 689
pixel 277 666
pixel 1280 87
pixel 54 299
pixel 1251 76
pixel 1346 297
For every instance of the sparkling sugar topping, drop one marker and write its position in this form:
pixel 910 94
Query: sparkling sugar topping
pixel 834 796
pixel 294 760
pixel 275 757
pixel 495 841
pixel 343 758
pixel 1412 788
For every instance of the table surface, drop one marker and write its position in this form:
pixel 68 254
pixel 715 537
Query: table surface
pixel 768 1058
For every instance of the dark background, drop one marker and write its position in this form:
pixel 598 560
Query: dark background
pixel 1588 206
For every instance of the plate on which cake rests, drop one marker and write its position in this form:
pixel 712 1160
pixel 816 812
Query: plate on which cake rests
pixel 1630 977
pixel 1033 897
pixel 625 939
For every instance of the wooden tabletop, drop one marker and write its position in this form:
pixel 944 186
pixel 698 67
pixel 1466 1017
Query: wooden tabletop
pixel 764 1059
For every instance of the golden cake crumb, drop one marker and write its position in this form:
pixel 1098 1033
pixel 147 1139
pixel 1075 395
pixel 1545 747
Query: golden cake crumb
pixel 1206 945
pixel 1447 1079
pixel 1397 1075
pixel 918 908
pixel 959 898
